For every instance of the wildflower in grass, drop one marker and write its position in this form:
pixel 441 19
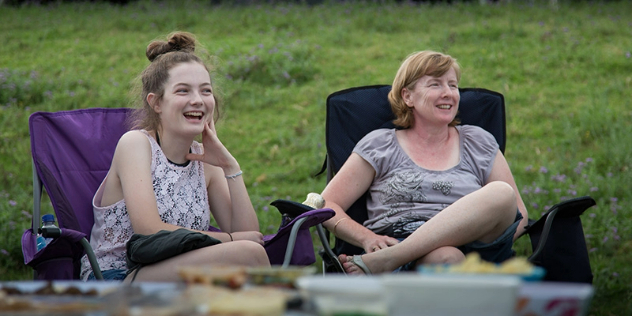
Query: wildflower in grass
pixel 27 214
pixel 604 240
pixel 594 189
pixel 266 208
pixel 593 249
pixel 544 170
pixel 528 168
pixel 627 54
pixel 4 252
pixel 559 177
pixel 13 203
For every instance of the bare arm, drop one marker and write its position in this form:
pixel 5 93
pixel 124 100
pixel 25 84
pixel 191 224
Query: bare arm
pixel 130 179
pixel 502 172
pixel 228 198
pixel 353 179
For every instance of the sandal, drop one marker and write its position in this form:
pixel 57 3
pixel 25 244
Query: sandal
pixel 357 260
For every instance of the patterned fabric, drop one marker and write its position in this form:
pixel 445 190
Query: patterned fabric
pixel 404 195
pixel 182 200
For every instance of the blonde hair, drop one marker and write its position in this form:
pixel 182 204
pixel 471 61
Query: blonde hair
pixel 415 66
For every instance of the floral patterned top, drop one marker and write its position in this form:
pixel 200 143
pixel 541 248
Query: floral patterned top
pixel 182 200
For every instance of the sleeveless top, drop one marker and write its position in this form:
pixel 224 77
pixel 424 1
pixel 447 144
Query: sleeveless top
pixel 182 200
pixel 404 195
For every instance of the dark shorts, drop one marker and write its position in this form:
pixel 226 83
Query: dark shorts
pixel 113 275
pixel 497 251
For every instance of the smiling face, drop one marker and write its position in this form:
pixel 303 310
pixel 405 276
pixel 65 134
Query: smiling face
pixel 434 100
pixel 188 102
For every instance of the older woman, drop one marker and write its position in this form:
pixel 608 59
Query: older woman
pixel 437 190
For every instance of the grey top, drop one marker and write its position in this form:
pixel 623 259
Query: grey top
pixel 404 195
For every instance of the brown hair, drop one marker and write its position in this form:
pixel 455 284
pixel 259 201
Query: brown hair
pixel 179 48
pixel 415 66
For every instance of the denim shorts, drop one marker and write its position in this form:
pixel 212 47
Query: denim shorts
pixel 113 274
pixel 497 251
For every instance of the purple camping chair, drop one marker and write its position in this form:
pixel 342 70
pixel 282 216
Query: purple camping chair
pixel 72 152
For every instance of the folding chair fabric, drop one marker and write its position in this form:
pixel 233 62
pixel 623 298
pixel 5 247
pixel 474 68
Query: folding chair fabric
pixel 72 152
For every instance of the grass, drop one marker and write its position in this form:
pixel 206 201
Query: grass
pixel 565 71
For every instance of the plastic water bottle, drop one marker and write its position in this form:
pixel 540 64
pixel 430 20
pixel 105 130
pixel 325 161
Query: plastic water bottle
pixel 48 220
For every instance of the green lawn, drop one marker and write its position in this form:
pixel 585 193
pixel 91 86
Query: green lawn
pixel 565 72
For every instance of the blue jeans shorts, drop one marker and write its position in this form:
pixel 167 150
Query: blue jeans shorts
pixel 112 275
pixel 497 251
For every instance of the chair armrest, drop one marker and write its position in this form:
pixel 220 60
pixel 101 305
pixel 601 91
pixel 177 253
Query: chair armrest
pixel 569 208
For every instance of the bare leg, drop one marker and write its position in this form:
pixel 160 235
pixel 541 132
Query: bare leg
pixel 241 252
pixel 443 255
pixel 482 215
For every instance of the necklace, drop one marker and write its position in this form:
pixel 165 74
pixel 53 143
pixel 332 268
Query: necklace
pixel 186 163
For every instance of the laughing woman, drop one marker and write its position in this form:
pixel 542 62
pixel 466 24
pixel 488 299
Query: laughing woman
pixel 440 188
pixel 161 179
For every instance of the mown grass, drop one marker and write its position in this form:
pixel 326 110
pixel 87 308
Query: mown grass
pixel 565 71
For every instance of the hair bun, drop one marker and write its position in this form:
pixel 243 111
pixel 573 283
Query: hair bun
pixel 177 42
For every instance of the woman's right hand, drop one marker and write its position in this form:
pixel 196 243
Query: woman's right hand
pixel 249 235
pixel 378 242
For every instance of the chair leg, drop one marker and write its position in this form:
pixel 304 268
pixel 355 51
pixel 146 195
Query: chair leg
pixel 292 241
pixel 92 258
pixel 327 248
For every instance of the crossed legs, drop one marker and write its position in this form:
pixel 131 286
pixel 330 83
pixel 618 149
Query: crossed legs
pixel 240 252
pixel 482 215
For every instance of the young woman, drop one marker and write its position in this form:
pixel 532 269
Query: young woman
pixel 440 188
pixel 161 179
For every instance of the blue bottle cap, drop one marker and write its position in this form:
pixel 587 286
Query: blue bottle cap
pixel 48 218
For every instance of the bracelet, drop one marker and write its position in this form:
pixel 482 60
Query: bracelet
pixel 338 222
pixel 233 176
pixel 231 236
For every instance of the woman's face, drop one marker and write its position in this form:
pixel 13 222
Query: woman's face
pixel 188 102
pixel 434 100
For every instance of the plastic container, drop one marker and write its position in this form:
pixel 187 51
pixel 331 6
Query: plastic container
pixel 333 295
pixel 554 299
pixel 441 295
pixel 48 221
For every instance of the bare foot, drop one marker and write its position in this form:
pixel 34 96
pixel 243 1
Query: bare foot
pixel 354 265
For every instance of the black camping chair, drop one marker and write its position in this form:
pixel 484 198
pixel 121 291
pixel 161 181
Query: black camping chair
pixel 557 238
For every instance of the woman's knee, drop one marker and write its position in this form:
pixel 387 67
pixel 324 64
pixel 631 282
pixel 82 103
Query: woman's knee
pixel 502 193
pixel 253 252
pixel 443 255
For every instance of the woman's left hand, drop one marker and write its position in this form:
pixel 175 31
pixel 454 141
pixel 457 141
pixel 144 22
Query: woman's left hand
pixel 215 153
